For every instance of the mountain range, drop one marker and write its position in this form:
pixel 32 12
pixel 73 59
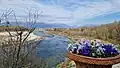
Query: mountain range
pixel 41 25
pixel 48 25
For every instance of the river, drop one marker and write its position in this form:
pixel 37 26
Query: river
pixel 52 48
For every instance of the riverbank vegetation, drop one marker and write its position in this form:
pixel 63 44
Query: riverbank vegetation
pixel 12 28
pixel 108 32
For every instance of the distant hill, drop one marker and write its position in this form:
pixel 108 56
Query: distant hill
pixel 53 25
pixel 90 25
pixel 42 25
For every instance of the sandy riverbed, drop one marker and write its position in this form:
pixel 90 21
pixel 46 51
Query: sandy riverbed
pixel 6 35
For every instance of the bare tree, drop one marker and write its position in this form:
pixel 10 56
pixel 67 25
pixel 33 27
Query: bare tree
pixel 17 51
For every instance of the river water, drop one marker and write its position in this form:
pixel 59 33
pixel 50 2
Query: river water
pixel 52 48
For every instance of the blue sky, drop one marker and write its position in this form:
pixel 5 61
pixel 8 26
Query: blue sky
pixel 71 12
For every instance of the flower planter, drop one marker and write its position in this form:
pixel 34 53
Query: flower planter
pixel 89 62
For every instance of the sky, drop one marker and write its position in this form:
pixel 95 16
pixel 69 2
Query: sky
pixel 70 12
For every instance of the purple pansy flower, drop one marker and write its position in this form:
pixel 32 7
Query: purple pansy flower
pixel 94 48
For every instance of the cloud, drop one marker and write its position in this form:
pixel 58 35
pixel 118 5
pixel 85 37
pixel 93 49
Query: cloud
pixel 63 11
pixel 86 9
pixel 50 14
pixel 93 9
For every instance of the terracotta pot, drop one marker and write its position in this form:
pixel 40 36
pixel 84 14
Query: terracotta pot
pixel 90 62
